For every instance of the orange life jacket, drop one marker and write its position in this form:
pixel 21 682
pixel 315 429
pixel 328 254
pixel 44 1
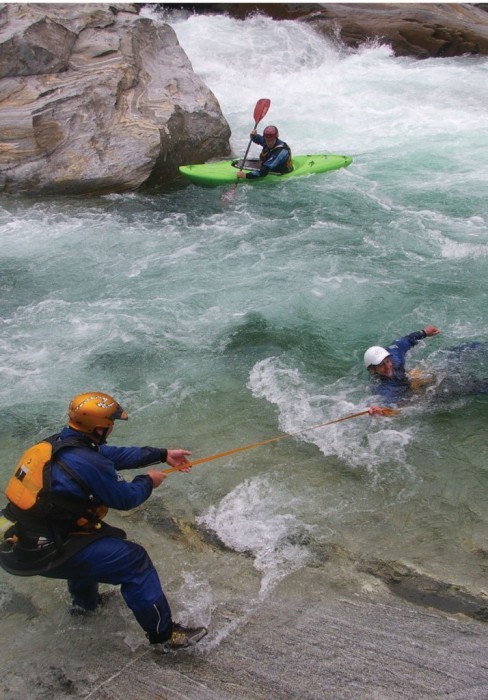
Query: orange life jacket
pixel 31 499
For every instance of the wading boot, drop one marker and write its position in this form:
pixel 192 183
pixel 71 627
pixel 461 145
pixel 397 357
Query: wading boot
pixel 181 638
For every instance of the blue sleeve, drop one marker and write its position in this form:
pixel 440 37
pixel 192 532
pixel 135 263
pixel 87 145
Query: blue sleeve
pixel 101 478
pixel 256 173
pixel 132 457
pixel 259 139
pixel 399 348
pixel 276 161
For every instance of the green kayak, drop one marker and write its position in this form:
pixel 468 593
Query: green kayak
pixel 224 172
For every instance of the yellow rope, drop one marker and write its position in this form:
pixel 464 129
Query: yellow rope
pixel 384 412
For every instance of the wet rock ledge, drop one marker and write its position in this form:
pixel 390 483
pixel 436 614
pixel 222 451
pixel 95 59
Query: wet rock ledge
pixel 96 99
pixel 428 592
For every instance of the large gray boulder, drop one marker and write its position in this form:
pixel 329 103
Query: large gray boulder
pixel 96 99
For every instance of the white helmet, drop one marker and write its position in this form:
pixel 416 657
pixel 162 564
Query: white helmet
pixel 375 355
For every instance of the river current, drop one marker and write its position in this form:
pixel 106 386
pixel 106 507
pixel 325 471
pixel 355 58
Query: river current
pixel 221 325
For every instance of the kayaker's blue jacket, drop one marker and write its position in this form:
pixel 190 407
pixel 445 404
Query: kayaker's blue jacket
pixel 99 468
pixel 276 159
pixel 396 388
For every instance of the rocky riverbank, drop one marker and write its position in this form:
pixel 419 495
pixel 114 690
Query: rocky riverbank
pixel 351 636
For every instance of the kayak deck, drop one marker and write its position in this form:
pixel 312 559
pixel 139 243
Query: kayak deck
pixel 225 172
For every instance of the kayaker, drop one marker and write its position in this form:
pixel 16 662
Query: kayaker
pixel 59 532
pixel 390 380
pixel 275 156
pixel 387 367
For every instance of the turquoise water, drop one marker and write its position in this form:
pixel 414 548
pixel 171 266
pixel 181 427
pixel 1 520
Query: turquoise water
pixel 217 325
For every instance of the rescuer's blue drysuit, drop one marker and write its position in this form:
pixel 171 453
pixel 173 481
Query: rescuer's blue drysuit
pixel 90 475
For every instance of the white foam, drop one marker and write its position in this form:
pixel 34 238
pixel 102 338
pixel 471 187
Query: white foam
pixel 257 517
pixel 364 443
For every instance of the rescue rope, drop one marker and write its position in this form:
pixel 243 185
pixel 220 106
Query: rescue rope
pixel 384 412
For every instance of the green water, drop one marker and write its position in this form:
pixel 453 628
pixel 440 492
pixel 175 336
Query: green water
pixel 217 326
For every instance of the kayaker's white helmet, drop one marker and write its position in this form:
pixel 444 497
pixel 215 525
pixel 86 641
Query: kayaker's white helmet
pixel 375 355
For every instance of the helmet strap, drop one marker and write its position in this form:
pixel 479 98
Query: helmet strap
pixel 99 435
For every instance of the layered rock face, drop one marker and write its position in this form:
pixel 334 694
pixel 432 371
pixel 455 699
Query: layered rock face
pixel 95 99
pixel 427 30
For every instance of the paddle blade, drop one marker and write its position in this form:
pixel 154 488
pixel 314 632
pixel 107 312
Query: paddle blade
pixel 229 196
pixel 261 109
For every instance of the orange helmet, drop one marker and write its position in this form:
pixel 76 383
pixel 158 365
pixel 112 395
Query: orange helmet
pixel 94 410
